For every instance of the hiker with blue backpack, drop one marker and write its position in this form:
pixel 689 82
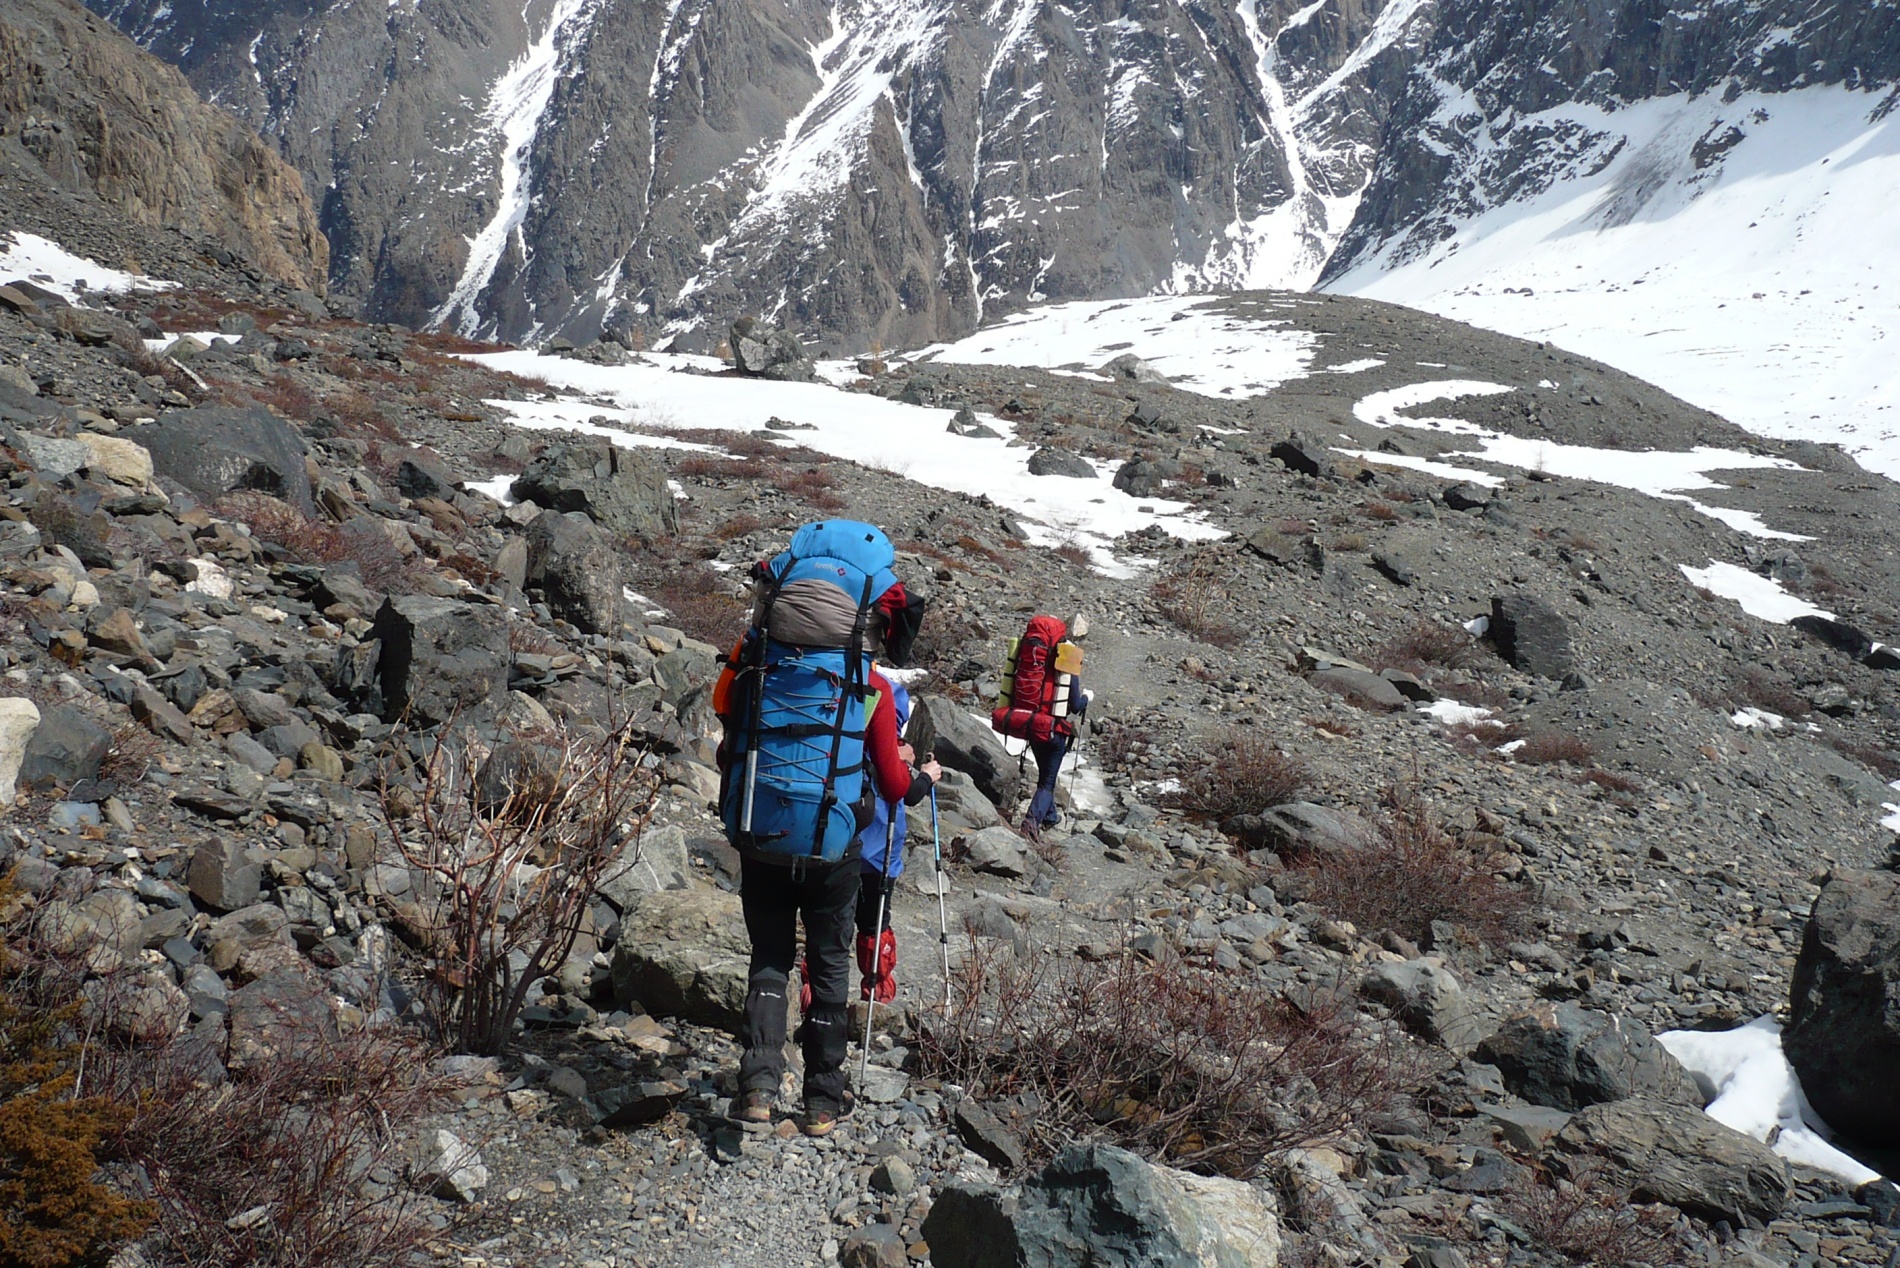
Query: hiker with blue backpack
pixel 811 746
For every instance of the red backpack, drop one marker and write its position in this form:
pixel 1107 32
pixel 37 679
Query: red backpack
pixel 1033 685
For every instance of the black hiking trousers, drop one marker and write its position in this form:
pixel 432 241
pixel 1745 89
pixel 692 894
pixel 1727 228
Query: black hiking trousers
pixel 774 897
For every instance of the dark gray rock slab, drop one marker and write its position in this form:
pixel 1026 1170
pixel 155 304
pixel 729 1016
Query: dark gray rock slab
pixel 1843 1032
pixel 1566 1057
pixel 213 450
pixel 622 491
pixel 1670 1152
pixel 440 659
pixel 961 742
pixel 578 571
pixel 1532 635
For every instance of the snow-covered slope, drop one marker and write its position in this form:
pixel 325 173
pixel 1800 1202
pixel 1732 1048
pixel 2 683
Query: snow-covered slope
pixel 1742 253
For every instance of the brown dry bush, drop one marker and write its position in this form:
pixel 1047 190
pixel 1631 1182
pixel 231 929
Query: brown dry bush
pixel 1193 598
pixel 131 754
pixel 1429 645
pixel 1409 872
pixel 1546 747
pixel 1590 1221
pixel 265 1165
pixel 1762 689
pixel 1377 509
pixel 1610 781
pixel 814 487
pixel 1243 774
pixel 1882 762
pixel 695 596
pixel 513 877
pixel 1116 744
pixel 737 525
pixel 1175 1061
pixel 54 1210
pixel 1073 552
pixel 282 525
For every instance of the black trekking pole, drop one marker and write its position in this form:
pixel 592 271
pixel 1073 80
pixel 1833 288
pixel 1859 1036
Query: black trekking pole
pixel 877 935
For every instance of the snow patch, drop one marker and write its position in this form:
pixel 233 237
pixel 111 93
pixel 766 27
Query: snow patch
pixel 1201 345
pixel 1760 597
pixel 1757 1093
pixel 1664 474
pixel 909 440
pixel 46 263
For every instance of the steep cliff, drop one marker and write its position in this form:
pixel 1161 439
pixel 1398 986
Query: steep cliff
pixel 92 112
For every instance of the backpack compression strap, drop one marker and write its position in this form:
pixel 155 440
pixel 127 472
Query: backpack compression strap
pixel 854 685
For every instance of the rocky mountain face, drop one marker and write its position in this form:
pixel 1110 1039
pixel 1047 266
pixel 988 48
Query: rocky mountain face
pixel 1505 103
pixel 891 173
pixel 899 173
pixel 89 112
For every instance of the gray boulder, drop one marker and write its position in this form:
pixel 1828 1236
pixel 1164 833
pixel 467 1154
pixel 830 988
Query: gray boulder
pixel 766 352
pixel 622 491
pixel 684 954
pixel 423 474
pixel 577 570
pixel 1843 1033
pixel 1532 635
pixel 961 742
pixel 1050 461
pixel 440 659
pixel 1428 1000
pixel 1566 1057
pixel 1103 1207
pixel 1669 1152
pixel 1133 369
pixel 1360 684
pixel 224 875
pixel 66 747
pixel 997 851
pixel 214 450
pixel 1146 477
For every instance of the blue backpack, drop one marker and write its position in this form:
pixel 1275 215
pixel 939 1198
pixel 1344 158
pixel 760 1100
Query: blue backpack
pixel 799 705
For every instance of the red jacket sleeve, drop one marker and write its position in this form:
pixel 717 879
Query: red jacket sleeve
pixel 887 769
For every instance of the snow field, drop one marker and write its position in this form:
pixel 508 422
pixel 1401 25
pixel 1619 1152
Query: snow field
pixel 1757 1091
pixel 46 263
pixel 907 440
pixel 1199 347
pixel 1765 287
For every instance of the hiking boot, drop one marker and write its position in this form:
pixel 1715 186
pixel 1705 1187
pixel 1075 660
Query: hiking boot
pixel 1031 830
pixel 820 1120
pixel 753 1107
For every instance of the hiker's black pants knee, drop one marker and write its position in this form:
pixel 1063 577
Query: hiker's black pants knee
pixel 825 896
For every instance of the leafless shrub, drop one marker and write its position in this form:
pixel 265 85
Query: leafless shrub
pixel 695 597
pixel 1762 689
pixel 1115 743
pixel 1610 781
pixel 511 873
pixel 1193 598
pixel 267 1165
pixel 1243 775
pixel 277 522
pixel 1548 746
pixel 1175 1061
pixel 132 753
pixel 738 525
pixel 1070 550
pixel 1410 872
pixel 1383 511
pixel 1589 1221
pixel 1336 728
pixel 1429 645
pixel 1878 760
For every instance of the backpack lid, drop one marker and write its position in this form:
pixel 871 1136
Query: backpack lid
pixel 1045 629
pixel 817 591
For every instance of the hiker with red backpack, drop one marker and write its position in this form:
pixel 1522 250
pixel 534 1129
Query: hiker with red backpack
pixel 810 745
pixel 1042 702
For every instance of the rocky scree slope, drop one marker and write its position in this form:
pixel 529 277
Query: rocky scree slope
pixel 86 113
pixel 897 174
pixel 220 663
